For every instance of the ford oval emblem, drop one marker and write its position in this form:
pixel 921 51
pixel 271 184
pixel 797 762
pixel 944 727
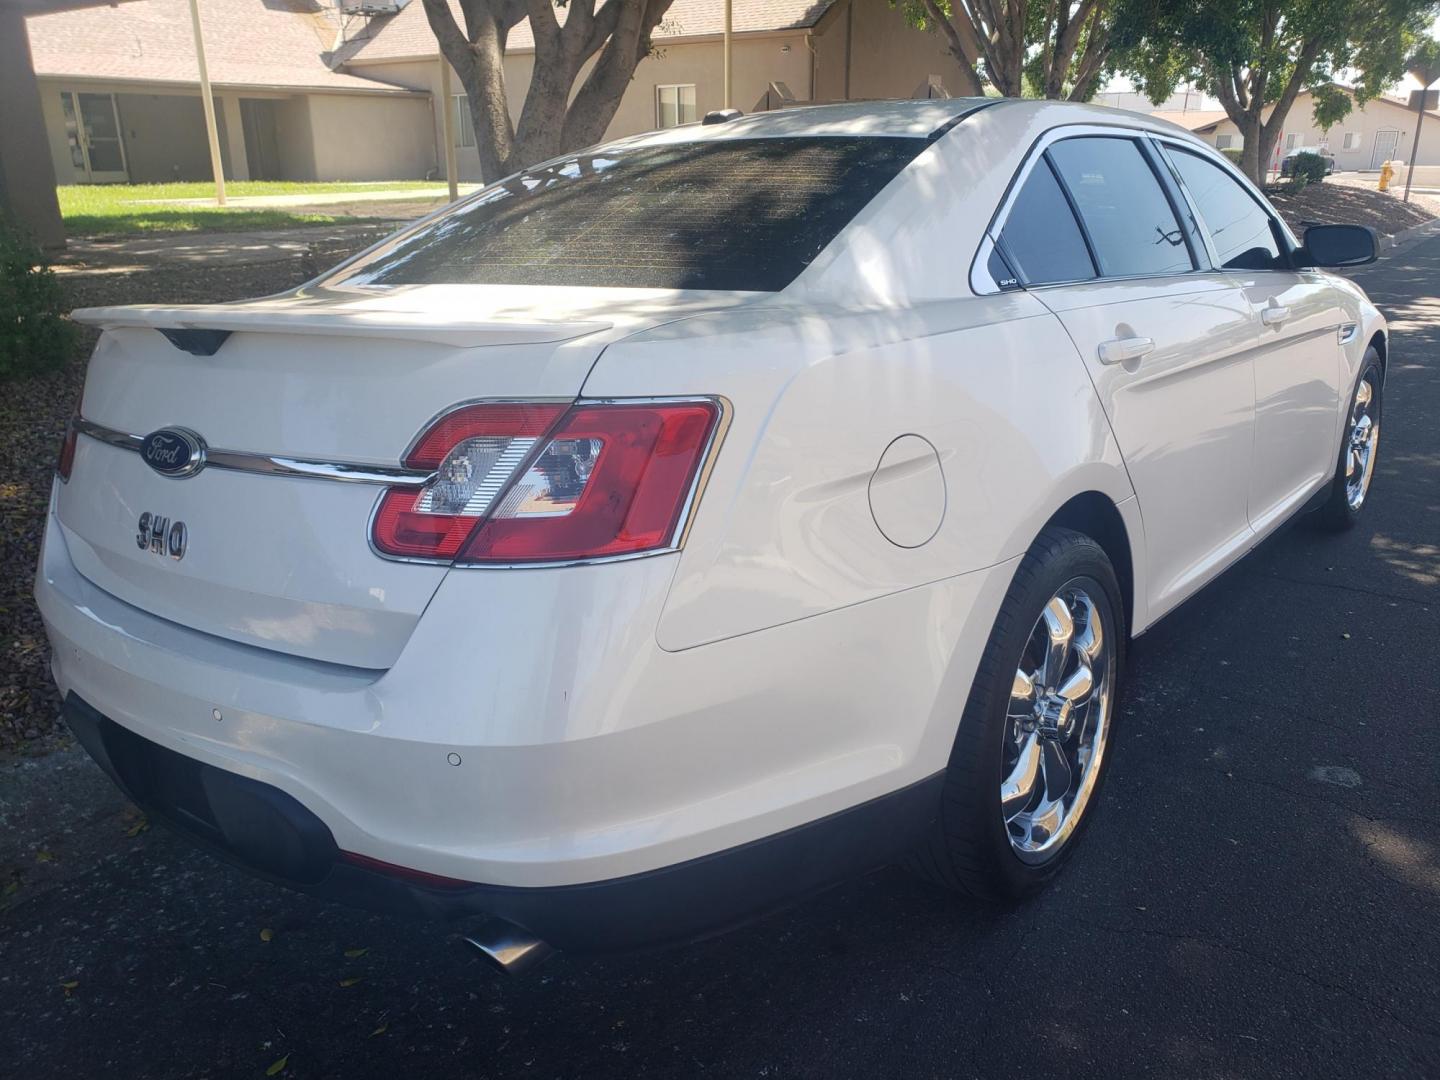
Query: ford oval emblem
pixel 174 451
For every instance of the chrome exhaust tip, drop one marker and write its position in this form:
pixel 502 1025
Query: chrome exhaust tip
pixel 507 947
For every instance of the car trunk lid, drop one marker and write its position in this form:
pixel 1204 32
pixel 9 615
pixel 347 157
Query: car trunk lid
pixel 274 557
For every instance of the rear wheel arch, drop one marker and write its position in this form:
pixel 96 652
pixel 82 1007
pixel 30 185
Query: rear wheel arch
pixel 1095 515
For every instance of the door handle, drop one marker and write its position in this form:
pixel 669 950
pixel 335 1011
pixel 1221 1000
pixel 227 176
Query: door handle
pixel 1122 349
pixel 1275 314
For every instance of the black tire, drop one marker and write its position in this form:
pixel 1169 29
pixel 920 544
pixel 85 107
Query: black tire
pixel 1336 513
pixel 970 850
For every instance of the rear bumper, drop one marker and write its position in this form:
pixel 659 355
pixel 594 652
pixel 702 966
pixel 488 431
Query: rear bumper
pixel 549 753
pixel 269 833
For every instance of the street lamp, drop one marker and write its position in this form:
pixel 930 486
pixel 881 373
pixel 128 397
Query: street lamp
pixel 1424 65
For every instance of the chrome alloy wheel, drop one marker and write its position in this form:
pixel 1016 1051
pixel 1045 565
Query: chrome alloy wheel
pixel 1364 434
pixel 1057 724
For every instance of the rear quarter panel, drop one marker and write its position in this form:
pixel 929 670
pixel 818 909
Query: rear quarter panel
pixel 785 529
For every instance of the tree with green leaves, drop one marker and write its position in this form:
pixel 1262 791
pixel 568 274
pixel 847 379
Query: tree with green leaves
pixel 611 37
pixel 1040 48
pixel 1256 56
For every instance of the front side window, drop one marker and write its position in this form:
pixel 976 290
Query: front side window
pixel 733 214
pixel 1243 233
pixel 1127 216
pixel 675 105
pixel 1041 239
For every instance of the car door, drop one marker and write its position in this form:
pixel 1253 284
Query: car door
pixel 1095 232
pixel 1297 357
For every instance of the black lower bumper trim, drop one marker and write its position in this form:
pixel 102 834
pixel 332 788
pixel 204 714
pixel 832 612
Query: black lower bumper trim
pixel 267 832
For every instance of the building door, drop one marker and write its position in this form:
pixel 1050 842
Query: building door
pixel 262 148
pixel 1385 142
pixel 92 127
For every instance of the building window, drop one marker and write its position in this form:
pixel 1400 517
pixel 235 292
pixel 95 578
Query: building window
pixel 464 127
pixel 675 105
pixel 1352 140
pixel 1292 140
pixel 1224 142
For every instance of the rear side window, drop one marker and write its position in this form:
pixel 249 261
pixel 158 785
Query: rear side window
pixel 1041 238
pixel 734 214
pixel 1242 232
pixel 1126 213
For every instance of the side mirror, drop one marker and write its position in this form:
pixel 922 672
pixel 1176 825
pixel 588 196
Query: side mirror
pixel 1339 245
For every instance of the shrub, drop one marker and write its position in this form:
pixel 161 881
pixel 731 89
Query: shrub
pixel 34 337
pixel 1233 153
pixel 1307 167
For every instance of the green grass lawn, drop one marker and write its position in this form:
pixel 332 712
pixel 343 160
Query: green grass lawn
pixel 125 209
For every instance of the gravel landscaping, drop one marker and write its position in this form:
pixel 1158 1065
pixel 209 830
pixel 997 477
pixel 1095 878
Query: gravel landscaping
pixel 33 413
pixel 1354 201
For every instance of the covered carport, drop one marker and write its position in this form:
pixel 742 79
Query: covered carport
pixel 27 175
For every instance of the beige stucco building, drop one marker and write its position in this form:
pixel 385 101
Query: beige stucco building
pixel 119 90
pixel 816 50
pixel 340 92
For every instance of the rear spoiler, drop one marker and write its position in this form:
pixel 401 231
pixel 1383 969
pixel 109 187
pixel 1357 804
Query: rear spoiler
pixel 202 328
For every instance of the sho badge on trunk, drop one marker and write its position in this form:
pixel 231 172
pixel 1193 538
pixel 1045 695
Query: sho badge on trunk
pixel 162 536
pixel 174 451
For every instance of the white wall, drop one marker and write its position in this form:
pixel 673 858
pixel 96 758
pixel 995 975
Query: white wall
pixel 364 137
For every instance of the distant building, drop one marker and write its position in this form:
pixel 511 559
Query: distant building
pixel 1381 130
pixel 1185 100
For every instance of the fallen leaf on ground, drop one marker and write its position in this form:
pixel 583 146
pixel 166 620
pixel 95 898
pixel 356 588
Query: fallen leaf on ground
pixel 44 856
pixel 350 981
pixel 68 986
pixel 380 1030
pixel 353 954
pixel 139 827
pixel 266 934
pixel 276 1066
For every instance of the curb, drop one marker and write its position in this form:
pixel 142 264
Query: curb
pixel 1405 239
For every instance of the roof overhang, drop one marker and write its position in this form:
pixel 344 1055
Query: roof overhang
pixel 361 60
pixel 167 86
pixel 50 7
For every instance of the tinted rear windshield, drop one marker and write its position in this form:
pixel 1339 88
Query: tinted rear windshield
pixel 734 214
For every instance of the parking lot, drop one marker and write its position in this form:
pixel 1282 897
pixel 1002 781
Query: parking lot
pixel 1259 895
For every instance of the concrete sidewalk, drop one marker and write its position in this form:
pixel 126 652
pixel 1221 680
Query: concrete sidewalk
pixel 438 192
pixel 215 249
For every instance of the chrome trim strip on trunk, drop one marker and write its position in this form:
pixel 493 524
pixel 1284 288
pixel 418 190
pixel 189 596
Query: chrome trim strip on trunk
pixel 348 472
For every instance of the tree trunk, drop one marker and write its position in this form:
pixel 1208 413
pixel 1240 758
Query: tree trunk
pixel 477 56
pixel 1252 157
pixel 550 123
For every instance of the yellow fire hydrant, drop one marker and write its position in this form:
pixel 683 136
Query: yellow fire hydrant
pixel 1387 171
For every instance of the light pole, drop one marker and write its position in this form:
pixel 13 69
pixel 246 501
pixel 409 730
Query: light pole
pixel 208 103
pixel 1425 67
pixel 729 12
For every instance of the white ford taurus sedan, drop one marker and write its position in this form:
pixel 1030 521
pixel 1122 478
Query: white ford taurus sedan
pixel 670 530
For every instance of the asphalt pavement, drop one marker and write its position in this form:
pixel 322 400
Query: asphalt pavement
pixel 1259 895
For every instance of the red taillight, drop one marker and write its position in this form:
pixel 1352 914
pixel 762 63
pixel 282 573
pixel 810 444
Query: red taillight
pixel 513 485
pixel 66 462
